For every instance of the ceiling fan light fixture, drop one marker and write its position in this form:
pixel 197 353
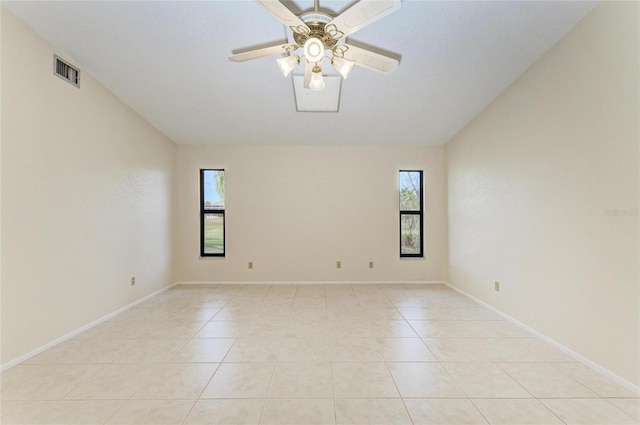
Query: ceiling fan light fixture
pixel 287 64
pixel 317 32
pixel 343 66
pixel 314 49
pixel 316 82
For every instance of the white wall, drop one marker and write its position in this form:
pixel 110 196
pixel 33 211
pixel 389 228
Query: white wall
pixel 532 181
pixel 86 199
pixel 295 211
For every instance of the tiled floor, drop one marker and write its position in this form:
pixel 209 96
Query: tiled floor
pixel 309 354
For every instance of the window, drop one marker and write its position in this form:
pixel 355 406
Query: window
pixel 212 213
pixel 411 213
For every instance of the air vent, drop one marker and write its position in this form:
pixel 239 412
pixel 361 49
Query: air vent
pixel 65 71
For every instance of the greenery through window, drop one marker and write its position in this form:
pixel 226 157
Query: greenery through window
pixel 411 214
pixel 212 213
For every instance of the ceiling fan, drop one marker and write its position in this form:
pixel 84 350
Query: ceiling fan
pixel 317 32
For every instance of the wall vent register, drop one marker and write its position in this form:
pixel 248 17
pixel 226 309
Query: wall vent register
pixel 66 71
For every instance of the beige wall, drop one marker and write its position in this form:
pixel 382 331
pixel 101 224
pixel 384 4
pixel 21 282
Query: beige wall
pixel 295 211
pixel 86 199
pixel 532 182
pixel 542 190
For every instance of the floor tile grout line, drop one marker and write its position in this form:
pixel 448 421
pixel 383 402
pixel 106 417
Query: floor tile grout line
pixel 116 412
pixel 580 381
pixel 551 411
pixel 402 398
pixel 273 373
pixel 199 397
pixel 468 398
pixel 606 399
pixel 554 368
pixel 538 399
pixel 217 367
pixel 333 389
pixel 479 411
pixel 514 379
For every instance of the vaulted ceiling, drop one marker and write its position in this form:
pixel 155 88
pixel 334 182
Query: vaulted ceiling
pixel 168 61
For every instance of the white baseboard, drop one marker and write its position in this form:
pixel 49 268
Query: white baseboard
pixel 78 331
pixel 578 357
pixel 322 282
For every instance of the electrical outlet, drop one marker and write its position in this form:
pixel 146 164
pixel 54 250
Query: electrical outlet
pixel 370 264
pixel 250 266
pixel 133 281
pixel 496 286
pixel 338 264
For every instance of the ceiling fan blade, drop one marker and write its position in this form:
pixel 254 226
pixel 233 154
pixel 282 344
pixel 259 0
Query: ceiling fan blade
pixel 370 60
pixel 283 14
pixel 361 14
pixel 266 51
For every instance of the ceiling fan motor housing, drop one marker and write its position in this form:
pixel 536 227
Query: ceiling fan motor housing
pixel 316 21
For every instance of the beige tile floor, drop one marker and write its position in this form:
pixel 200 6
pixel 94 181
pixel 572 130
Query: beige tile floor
pixel 309 354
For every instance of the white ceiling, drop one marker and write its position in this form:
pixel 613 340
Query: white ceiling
pixel 168 61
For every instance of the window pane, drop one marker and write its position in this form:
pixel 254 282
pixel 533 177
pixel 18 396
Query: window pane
pixel 410 234
pixel 213 189
pixel 410 190
pixel 214 233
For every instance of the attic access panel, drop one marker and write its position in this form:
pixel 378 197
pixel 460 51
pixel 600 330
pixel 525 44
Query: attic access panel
pixel 325 100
